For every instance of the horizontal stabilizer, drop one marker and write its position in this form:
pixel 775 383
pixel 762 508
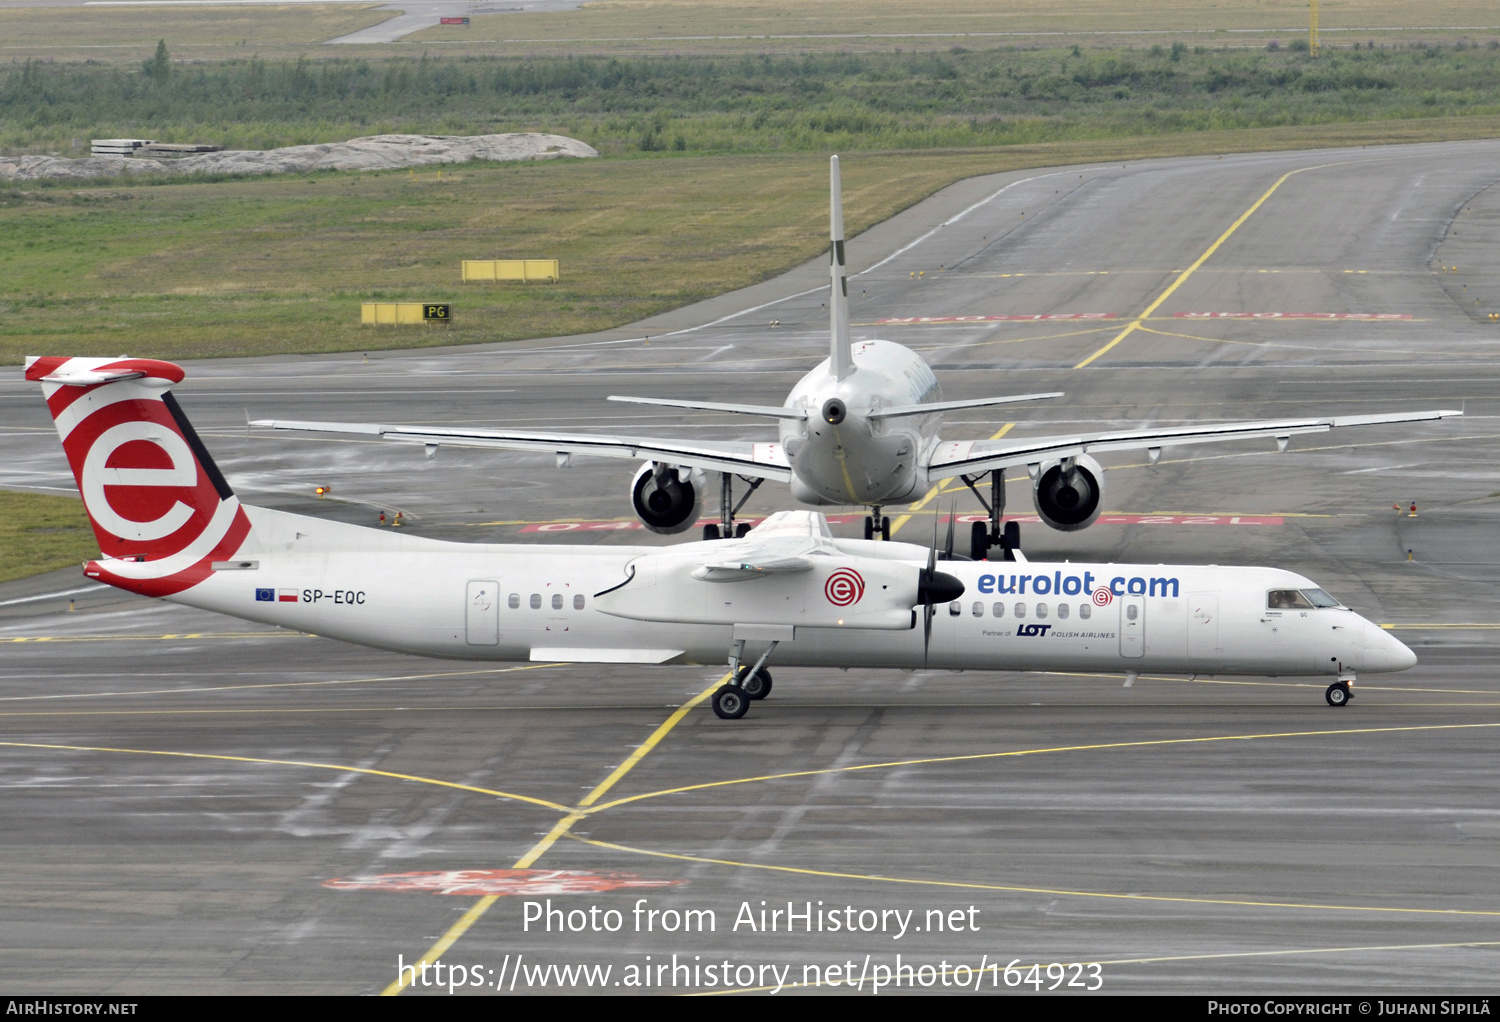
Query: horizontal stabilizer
pixel 767 411
pixel 895 411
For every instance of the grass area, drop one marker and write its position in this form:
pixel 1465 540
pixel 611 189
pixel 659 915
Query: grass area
pixel 826 102
pixel 129 34
pixel 280 265
pixel 39 533
pixel 623 26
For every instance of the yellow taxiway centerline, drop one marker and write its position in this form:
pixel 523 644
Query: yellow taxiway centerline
pixel 340 767
pixel 974 756
pixel 537 850
pixel 1135 323
pixel 1049 891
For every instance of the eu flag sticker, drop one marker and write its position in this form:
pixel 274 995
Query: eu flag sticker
pixel 265 596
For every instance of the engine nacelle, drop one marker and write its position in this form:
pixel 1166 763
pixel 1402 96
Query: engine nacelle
pixel 666 498
pixel 1069 494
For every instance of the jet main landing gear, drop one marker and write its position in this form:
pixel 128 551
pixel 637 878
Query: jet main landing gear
pixel 993 540
pixel 727 529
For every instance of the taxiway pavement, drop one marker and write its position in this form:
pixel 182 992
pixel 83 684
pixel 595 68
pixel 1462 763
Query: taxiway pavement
pixel 182 787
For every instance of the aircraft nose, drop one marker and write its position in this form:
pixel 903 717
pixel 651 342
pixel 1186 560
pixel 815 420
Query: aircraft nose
pixel 1385 652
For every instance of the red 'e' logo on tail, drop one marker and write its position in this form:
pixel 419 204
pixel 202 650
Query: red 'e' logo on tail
pixel 160 514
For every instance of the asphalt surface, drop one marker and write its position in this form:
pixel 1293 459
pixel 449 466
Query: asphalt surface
pixel 181 788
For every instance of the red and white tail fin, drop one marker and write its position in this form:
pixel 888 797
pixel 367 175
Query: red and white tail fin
pixel 161 510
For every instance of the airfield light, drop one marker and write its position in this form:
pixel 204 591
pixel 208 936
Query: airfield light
pixel 322 491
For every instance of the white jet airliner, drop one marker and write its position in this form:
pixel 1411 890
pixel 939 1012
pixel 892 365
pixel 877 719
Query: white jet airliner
pixel 861 428
pixel 169 526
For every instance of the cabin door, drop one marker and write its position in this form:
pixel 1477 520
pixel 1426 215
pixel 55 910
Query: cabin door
pixel 1203 624
pixel 482 614
pixel 1132 626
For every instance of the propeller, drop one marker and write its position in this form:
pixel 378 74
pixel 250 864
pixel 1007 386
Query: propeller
pixel 934 587
pixel 948 546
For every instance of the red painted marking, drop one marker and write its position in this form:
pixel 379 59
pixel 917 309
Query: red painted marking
pixel 844 587
pixel 909 320
pixel 1102 596
pixel 471 882
pixel 1292 315
pixel 1150 519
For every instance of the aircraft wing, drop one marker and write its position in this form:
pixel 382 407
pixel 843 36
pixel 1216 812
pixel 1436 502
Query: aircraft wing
pixel 954 457
pixel 762 460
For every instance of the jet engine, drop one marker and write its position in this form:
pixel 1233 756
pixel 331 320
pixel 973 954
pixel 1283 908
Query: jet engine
pixel 1068 494
pixel 666 497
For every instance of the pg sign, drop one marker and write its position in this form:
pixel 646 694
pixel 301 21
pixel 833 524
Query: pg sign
pixel 435 312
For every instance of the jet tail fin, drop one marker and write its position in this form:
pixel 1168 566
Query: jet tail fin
pixel 841 358
pixel 161 509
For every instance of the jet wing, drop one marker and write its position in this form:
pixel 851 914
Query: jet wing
pixel 952 457
pixel 763 460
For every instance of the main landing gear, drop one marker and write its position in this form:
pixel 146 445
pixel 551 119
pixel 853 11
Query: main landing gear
pixel 748 684
pixel 726 529
pixel 993 540
pixel 1339 693
pixel 877 522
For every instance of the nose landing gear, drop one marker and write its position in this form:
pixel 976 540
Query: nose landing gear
pixel 877 522
pixel 1339 693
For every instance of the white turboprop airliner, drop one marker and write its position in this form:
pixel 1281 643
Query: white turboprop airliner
pixel 169 526
pixel 861 428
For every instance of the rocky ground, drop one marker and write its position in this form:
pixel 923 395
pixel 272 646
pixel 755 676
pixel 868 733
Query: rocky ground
pixel 375 152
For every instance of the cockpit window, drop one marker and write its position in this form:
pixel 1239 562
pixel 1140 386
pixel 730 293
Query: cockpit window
pixel 1319 598
pixel 1287 599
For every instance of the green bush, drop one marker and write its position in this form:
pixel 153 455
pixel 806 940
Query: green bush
pixel 741 103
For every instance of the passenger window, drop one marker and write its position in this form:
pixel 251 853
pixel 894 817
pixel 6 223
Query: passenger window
pixel 514 601
pixel 1062 610
pixel 1020 610
pixel 998 610
pixel 536 601
pixel 1041 610
pixel 978 610
pixel 578 602
pixel 1287 599
pixel 557 601
pixel 1132 612
pixel 1085 611
pixel 955 608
